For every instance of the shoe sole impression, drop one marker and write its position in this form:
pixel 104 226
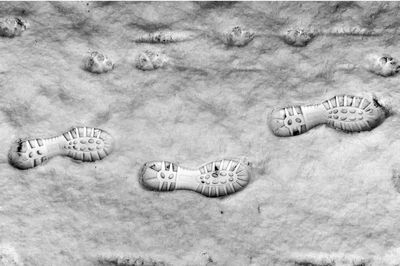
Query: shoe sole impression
pixel 214 179
pixel 86 144
pixel 343 112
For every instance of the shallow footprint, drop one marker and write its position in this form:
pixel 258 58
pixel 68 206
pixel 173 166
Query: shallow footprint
pixel 150 60
pixel 344 112
pixel 214 179
pixel 13 26
pixel 85 144
pixel 98 63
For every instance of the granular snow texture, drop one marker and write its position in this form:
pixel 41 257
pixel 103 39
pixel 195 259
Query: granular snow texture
pixel 320 198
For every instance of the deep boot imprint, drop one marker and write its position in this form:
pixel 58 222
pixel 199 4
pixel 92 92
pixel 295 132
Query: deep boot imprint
pixel 81 143
pixel 214 179
pixel 343 112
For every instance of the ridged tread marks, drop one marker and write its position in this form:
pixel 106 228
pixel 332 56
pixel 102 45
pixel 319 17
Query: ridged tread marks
pixel 348 113
pixel 294 120
pixel 30 151
pixel 223 177
pixel 356 31
pixel 166 175
pixel 156 37
pixel 87 144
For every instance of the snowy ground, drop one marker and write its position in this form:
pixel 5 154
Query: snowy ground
pixel 317 198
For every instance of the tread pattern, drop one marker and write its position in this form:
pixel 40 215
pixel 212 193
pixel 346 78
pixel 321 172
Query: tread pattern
pixel 87 144
pixel 354 31
pixel 288 121
pixel 81 143
pixel 218 178
pixel 343 112
pixel 221 178
pixel 164 37
pixel 159 176
pixel 30 153
pixel 350 113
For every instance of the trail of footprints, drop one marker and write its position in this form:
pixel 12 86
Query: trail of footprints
pixel 218 178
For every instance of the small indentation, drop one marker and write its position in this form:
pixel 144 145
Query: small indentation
pixel 214 175
pixel 333 102
pixel 298 120
pixel 81 132
pixel 335 117
pixel 343 118
pixel 40 142
pixel 326 105
pixel 32 143
pixel 162 175
pixel 207 176
pixel 98 141
pixel 73 133
pixel 222 174
pixel 83 141
pixel 171 176
pixel 30 154
pixel 209 166
pixel 289 122
pixel 91 140
pixel 344 111
pixel 335 111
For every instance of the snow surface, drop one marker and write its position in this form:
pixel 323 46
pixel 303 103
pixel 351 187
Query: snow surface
pixel 318 198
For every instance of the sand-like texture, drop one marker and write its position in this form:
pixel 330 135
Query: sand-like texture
pixel 318 198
